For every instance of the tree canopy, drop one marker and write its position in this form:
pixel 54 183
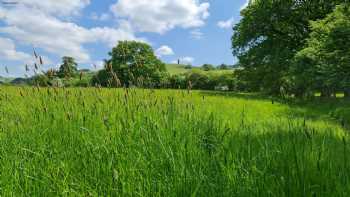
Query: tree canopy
pixel 68 68
pixel 134 63
pixel 208 67
pixel 324 63
pixel 269 35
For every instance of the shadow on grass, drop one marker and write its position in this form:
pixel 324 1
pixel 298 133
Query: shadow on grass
pixel 335 110
pixel 247 96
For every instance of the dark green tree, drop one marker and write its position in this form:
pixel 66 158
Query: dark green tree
pixel 223 67
pixel 134 63
pixel 208 67
pixel 68 68
pixel 324 64
pixel 269 35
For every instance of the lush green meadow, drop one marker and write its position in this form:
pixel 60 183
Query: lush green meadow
pixel 115 142
pixel 174 69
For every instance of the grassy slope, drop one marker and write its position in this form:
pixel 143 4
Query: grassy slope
pixel 179 69
pixel 102 142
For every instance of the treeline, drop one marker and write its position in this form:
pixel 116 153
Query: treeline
pixel 294 48
pixel 133 64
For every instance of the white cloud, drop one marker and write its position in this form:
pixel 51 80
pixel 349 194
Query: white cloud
pixel 161 16
pixel 8 51
pixel 46 31
pixel 226 24
pixel 184 60
pixel 164 51
pixel 196 34
pixel 60 7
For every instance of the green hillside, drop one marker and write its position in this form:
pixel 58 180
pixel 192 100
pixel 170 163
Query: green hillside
pixel 174 69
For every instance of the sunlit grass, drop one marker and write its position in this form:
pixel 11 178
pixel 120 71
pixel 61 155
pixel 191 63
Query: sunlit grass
pixel 108 142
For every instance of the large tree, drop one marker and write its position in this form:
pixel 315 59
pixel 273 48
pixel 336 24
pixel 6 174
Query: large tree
pixel 269 35
pixel 68 68
pixel 134 63
pixel 324 64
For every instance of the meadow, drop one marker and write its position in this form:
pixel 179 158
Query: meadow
pixel 174 69
pixel 138 142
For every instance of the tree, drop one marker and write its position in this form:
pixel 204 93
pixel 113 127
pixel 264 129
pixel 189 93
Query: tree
pixel 198 80
pixel 68 68
pixel 188 66
pixel 269 35
pixel 325 61
pixel 134 63
pixel 208 67
pixel 224 67
pixel 40 80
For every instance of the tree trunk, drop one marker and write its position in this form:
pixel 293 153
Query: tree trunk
pixel 326 93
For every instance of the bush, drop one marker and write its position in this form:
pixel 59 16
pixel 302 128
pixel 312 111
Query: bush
pixel 188 67
pixel 208 67
pixel 41 80
pixel 199 81
pixel 204 81
pixel 101 78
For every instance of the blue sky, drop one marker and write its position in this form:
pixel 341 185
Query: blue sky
pixel 194 31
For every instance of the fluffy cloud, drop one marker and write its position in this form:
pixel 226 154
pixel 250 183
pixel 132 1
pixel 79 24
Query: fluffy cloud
pixel 162 15
pixel 8 51
pixel 226 24
pixel 164 51
pixel 61 7
pixel 45 30
pixel 184 60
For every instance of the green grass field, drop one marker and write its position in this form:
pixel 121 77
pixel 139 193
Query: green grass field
pixel 109 142
pixel 174 69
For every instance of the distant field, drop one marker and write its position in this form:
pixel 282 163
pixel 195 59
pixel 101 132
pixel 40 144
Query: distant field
pixel 179 69
pixel 173 69
pixel 114 142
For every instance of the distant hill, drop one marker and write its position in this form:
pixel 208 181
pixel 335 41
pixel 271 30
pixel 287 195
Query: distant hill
pixel 5 80
pixel 20 81
pixel 174 69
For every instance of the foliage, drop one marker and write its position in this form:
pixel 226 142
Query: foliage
pixel 68 68
pixel 324 64
pixel 40 80
pixel 269 35
pixel 134 63
pixel 204 81
pixel 208 67
pixel 101 78
pixel 188 66
pixel 223 67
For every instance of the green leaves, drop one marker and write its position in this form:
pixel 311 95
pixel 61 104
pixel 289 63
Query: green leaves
pixel 135 64
pixel 270 34
pixel 327 53
pixel 68 68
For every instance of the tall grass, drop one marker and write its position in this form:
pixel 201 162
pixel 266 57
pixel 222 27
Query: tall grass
pixel 108 142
